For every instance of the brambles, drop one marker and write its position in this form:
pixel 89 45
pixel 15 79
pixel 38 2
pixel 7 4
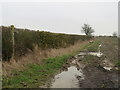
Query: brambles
pixel 26 40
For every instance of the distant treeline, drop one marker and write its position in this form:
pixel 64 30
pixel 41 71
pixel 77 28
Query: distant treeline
pixel 26 40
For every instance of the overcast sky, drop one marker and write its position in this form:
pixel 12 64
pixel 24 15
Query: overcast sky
pixel 62 17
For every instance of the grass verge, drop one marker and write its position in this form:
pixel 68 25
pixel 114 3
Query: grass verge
pixel 35 75
pixel 93 47
pixel 90 59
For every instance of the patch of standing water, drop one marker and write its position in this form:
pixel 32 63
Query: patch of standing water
pixel 68 79
pixel 84 53
pixel 98 54
pixel 107 68
pixel 73 75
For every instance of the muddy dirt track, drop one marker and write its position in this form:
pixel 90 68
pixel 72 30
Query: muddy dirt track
pixel 99 72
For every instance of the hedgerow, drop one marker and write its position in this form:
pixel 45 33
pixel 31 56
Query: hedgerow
pixel 27 39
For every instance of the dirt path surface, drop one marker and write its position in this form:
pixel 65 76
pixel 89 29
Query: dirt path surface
pixel 99 71
pixel 105 74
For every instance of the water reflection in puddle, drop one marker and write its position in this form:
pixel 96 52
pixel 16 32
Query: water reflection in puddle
pixel 71 78
pixel 73 75
pixel 68 79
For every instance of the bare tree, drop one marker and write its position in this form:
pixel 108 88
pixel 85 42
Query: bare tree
pixel 87 29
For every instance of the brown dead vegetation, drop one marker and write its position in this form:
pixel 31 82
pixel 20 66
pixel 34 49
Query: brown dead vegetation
pixel 37 57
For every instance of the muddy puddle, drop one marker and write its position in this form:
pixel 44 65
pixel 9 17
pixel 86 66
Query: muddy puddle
pixel 107 68
pixel 74 75
pixel 71 75
pixel 68 79
pixel 84 53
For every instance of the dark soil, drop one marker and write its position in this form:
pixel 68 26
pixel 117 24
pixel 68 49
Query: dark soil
pixel 95 75
pixel 98 77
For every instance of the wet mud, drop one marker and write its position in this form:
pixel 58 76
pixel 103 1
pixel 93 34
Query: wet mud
pixel 76 74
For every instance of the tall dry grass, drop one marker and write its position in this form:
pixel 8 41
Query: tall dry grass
pixel 37 57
